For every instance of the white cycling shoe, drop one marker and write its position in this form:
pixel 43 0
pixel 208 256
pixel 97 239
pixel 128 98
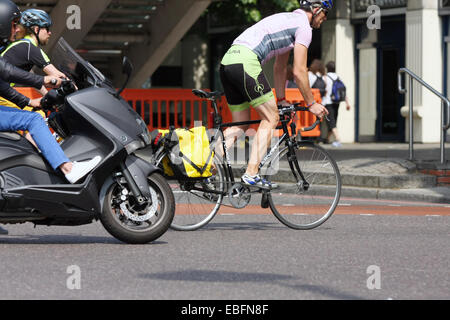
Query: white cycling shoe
pixel 80 169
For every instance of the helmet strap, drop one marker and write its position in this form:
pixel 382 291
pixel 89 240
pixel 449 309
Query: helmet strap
pixel 37 34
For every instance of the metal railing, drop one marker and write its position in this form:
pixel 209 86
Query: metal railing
pixel 445 121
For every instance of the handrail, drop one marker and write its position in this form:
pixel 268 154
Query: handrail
pixel 445 124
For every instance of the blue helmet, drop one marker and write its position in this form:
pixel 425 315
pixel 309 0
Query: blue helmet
pixel 35 17
pixel 310 4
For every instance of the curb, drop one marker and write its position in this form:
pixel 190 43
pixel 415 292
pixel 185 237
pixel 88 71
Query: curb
pixel 432 195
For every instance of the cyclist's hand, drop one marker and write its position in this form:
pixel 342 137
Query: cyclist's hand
pixel 283 103
pixel 35 103
pixel 52 81
pixel 318 110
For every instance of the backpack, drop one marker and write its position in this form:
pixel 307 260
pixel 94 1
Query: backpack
pixel 321 85
pixel 339 91
pixel 190 153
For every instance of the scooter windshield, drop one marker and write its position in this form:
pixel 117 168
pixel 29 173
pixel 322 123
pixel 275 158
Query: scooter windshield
pixel 76 68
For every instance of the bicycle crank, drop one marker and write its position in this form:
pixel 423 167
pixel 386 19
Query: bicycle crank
pixel 239 196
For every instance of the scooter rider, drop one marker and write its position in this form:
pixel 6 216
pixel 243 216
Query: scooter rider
pixel 15 119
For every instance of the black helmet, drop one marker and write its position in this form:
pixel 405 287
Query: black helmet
pixel 9 12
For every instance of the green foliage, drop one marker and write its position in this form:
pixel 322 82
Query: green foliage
pixel 246 12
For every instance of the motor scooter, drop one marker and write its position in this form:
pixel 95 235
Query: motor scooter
pixel 124 191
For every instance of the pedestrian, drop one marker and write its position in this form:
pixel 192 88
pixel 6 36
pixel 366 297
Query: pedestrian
pixel 334 97
pixel 290 82
pixel 246 85
pixel 317 78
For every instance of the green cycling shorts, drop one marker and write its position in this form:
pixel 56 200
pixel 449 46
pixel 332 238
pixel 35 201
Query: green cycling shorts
pixel 243 79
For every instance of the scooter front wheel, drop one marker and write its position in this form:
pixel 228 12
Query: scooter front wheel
pixel 135 223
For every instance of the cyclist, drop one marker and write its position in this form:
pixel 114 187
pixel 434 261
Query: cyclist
pixel 245 84
pixel 14 119
pixel 25 53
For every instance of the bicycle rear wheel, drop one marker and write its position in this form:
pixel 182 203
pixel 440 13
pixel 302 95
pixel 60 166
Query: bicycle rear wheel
pixel 296 204
pixel 195 208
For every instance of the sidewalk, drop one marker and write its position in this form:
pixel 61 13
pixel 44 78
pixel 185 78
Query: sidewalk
pixel 383 171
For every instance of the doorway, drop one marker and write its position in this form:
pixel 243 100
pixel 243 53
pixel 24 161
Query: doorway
pixel 390 125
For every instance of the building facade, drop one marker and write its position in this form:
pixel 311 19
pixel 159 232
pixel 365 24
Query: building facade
pixel 370 40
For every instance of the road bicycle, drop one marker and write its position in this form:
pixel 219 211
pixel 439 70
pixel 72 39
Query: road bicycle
pixel 308 179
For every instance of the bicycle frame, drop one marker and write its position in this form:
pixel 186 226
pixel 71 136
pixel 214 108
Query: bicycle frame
pixel 285 138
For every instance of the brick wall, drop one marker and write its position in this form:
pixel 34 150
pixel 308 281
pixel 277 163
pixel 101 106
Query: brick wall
pixel 443 176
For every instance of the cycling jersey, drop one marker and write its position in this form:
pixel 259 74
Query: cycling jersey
pixel 277 34
pixel 241 73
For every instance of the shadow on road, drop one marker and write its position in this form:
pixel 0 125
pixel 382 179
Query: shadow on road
pixel 243 226
pixel 249 277
pixel 63 239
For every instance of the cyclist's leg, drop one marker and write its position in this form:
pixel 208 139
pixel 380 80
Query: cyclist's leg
pixel 233 133
pixel 268 113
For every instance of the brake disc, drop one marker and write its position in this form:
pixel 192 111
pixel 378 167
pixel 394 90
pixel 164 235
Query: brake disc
pixel 239 196
pixel 137 216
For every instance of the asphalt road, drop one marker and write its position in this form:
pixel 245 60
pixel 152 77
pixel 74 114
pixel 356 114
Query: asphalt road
pixel 357 254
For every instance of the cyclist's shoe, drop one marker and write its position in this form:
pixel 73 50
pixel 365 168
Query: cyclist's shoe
pixel 257 181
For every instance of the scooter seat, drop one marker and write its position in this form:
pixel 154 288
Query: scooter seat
pixel 10 135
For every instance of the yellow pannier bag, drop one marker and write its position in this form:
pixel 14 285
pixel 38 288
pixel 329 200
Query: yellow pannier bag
pixel 191 155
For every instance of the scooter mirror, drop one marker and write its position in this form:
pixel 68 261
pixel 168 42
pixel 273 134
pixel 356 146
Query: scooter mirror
pixel 127 66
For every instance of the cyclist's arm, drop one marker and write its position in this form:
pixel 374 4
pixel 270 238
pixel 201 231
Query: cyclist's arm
pixel 302 80
pixel 300 70
pixel 280 74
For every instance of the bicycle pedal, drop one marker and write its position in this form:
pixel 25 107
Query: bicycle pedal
pixel 239 195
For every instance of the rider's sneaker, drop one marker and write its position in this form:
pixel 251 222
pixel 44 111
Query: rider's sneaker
pixel 257 181
pixel 80 169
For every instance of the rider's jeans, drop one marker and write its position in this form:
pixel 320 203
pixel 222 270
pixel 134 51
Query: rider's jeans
pixel 12 120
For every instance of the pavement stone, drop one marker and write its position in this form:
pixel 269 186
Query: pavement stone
pixel 383 171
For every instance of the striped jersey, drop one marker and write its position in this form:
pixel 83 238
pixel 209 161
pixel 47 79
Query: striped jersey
pixel 277 34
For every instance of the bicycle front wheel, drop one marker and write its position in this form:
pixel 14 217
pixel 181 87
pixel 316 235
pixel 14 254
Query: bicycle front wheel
pixel 197 202
pixel 304 203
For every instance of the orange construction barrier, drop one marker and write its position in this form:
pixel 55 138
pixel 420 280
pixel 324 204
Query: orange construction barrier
pixel 29 92
pixel 162 108
pixel 303 119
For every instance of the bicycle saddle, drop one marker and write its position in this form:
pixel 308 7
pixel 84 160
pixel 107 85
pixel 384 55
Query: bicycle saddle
pixel 207 95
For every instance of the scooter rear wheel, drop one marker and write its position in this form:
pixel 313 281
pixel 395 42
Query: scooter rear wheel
pixel 134 224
